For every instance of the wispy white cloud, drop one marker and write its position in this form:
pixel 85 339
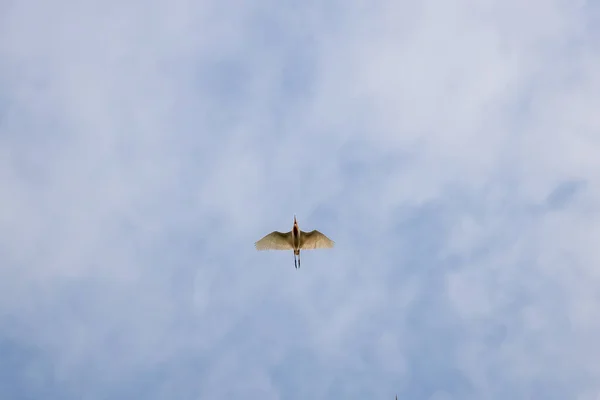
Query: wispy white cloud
pixel 450 150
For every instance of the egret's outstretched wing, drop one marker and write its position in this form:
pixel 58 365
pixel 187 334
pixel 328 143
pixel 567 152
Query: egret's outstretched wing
pixel 315 240
pixel 275 241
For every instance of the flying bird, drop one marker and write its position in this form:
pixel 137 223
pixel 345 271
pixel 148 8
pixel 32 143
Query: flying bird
pixel 294 240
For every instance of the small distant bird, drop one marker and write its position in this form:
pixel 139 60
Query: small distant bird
pixel 294 240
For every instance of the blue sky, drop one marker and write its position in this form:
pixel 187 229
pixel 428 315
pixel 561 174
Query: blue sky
pixel 449 148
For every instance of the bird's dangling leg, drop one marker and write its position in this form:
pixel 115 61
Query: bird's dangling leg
pixel 295 265
pixel 298 259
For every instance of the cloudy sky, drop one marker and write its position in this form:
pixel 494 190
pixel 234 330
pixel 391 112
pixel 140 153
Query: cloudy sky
pixel 451 149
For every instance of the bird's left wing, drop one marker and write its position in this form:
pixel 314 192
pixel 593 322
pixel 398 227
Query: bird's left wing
pixel 315 240
pixel 275 241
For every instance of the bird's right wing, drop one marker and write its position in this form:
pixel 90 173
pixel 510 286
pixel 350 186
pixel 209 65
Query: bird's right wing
pixel 275 241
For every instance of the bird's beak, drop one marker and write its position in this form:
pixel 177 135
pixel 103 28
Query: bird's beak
pixel 295 219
